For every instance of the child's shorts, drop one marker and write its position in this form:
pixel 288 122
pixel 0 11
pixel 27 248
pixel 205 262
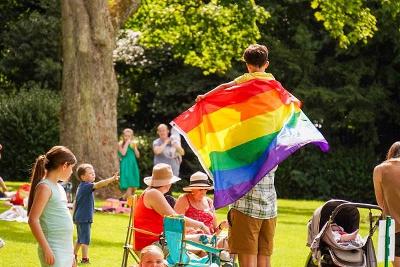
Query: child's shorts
pixel 83 230
pixel 248 235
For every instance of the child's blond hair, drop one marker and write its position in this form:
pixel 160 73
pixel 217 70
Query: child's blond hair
pixel 81 170
pixel 151 249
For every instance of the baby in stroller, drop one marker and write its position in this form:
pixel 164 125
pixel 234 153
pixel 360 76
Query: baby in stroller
pixel 341 236
pixel 333 236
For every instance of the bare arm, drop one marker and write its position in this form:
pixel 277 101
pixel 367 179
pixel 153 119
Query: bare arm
pixel 159 149
pixel 106 182
pixel 181 204
pixel 123 147
pixel 156 200
pixel 179 149
pixel 3 186
pixel 42 196
pixel 377 177
pixel 136 150
pixel 219 87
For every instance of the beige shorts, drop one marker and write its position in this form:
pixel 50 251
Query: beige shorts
pixel 248 235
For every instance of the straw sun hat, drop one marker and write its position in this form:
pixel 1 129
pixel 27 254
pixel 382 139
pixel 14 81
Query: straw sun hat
pixel 198 180
pixel 162 175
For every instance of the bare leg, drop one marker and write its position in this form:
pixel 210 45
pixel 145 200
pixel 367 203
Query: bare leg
pixel 396 262
pixel 263 261
pixel 129 192
pixel 247 260
pixel 76 248
pixel 85 251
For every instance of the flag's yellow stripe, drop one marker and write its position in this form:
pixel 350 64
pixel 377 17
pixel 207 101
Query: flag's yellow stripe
pixel 236 113
pixel 239 132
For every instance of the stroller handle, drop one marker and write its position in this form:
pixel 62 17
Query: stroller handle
pixel 353 204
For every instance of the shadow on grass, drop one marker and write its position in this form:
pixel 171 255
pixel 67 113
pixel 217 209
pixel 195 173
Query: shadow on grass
pixel 107 243
pixel 295 211
pixel 291 223
pixel 17 232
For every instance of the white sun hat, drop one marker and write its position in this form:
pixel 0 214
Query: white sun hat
pixel 199 180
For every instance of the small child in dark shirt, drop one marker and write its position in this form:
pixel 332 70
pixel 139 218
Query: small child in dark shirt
pixel 84 206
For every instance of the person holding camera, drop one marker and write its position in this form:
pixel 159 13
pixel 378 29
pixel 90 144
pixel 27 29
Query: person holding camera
pixel 167 149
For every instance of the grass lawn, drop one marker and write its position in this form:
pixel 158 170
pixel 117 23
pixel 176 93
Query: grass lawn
pixel 109 231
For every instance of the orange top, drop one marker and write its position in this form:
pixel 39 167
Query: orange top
pixel 149 220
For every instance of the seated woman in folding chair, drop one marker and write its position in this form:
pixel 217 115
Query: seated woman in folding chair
pixel 196 205
pixel 152 206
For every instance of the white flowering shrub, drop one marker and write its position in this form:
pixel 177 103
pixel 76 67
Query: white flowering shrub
pixel 128 51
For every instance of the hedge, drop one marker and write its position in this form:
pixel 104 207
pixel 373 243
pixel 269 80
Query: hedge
pixel 29 126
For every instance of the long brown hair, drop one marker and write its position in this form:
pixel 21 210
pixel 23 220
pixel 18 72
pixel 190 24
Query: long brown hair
pixel 55 157
pixel 394 151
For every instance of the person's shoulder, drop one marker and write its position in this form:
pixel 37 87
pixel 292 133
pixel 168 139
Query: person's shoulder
pixel 182 197
pixel 152 192
pixel 265 76
pixel 89 184
pixel 157 141
pixel 43 189
pixel 380 167
pixel 270 75
pixel 153 195
pixel 86 185
pixel 43 185
pixel 242 78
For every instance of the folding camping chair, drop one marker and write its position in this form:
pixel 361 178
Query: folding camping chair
pixel 173 238
pixel 178 246
pixel 130 234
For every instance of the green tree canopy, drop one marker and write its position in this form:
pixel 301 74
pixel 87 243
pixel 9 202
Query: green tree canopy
pixel 351 21
pixel 205 35
pixel 30 43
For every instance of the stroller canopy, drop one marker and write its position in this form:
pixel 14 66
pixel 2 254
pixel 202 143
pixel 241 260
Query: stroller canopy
pixel 348 217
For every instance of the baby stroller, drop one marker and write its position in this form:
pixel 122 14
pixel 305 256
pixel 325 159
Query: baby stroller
pixel 325 248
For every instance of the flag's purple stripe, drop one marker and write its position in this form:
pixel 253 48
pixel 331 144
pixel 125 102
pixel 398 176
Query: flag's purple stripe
pixel 224 197
pixel 281 152
pixel 225 179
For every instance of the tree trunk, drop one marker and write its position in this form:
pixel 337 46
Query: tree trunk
pixel 89 89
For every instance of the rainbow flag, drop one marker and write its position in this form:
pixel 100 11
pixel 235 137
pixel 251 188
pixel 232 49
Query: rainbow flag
pixel 241 133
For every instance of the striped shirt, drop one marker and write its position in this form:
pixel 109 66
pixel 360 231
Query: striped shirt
pixel 260 202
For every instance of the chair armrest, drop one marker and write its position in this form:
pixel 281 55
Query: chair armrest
pixel 206 248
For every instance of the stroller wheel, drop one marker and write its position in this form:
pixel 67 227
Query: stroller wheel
pixel 309 262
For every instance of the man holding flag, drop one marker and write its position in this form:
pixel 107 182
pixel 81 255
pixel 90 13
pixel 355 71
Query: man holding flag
pixel 241 131
pixel 253 216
